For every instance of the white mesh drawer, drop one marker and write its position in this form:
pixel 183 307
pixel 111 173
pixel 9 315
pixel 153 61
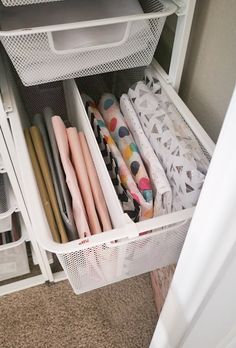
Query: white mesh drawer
pixel 83 43
pixel 7 203
pixel 24 2
pixel 13 255
pixel 122 252
pixel 13 262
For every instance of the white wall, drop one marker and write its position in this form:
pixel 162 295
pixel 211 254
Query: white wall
pixel 210 70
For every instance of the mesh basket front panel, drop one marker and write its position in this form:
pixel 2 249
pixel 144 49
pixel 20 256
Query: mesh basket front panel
pixel 104 264
pixel 116 82
pixel 4 203
pixel 36 98
pixel 37 63
pixel 24 2
pixel 148 6
pixel 17 258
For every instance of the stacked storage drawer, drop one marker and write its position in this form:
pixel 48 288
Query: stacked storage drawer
pixel 121 252
pixel 66 39
pixel 13 256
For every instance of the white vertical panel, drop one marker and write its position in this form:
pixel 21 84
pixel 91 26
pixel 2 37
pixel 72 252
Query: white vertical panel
pixel 208 244
pixel 182 33
pixel 216 325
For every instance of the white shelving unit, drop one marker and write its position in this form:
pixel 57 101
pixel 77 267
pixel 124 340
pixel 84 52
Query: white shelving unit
pixel 13 118
pixel 14 254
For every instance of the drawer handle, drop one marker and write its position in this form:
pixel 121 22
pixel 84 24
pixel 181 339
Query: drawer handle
pixel 148 234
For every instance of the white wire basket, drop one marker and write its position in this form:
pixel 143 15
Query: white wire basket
pixel 9 3
pixel 90 267
pixel 82 43
pixel 13 261
pixel 13 256
pixel 122 252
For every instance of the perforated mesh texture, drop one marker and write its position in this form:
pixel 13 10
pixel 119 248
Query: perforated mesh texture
pixel 4 204
pixel 102 265
pixel 38 97
pixel 24 2
pixel 36 62
pixel 108 263
pixel 16 256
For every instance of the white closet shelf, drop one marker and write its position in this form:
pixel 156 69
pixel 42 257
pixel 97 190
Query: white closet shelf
pixel 68 39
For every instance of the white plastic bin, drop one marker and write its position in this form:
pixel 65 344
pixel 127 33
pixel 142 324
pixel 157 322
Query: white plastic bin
pixel 68 39
pixel 23 2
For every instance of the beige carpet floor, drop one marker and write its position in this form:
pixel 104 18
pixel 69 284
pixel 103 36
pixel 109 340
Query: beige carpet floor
pixel 121 315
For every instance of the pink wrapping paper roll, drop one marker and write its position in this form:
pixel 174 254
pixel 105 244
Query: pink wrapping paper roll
pixel 83 179
pixel 95 185
pixel 71 180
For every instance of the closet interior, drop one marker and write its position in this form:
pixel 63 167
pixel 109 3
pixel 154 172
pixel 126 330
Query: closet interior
pixel 67 64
